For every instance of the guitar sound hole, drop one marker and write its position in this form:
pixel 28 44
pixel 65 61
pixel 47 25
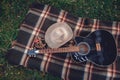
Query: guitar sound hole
pixel 84 48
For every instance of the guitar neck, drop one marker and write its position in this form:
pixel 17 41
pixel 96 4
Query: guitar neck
pixel 60 50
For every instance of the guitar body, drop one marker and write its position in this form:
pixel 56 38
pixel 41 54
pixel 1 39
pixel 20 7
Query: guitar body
pixel 99 47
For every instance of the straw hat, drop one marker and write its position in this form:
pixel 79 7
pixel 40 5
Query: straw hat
pixel 58 34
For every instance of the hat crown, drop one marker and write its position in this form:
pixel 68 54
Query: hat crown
pixel 58 35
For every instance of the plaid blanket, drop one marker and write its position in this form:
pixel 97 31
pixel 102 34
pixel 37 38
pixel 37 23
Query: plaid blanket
pixel 36 22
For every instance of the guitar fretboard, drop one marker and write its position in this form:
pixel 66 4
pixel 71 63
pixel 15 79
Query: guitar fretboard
pixel 60 50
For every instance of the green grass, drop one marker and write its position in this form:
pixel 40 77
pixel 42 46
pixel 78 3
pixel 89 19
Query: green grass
pixel 12 12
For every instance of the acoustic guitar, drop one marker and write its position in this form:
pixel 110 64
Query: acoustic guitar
pixel 98 47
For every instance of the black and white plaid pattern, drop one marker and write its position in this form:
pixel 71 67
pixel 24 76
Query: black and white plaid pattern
pixel 36 22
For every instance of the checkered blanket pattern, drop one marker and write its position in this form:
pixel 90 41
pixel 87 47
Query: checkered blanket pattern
pixel 36 22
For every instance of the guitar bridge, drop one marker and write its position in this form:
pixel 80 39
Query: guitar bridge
pixel 98 47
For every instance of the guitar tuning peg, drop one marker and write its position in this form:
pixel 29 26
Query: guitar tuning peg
pixel 29 55
pixel 34 55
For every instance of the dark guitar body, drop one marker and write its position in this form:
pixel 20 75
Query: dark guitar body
pixel 103 57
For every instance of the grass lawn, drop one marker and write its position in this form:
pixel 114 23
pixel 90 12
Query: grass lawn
pixel 12 12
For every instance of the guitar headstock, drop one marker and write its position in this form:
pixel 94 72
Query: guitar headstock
pixel 32 53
